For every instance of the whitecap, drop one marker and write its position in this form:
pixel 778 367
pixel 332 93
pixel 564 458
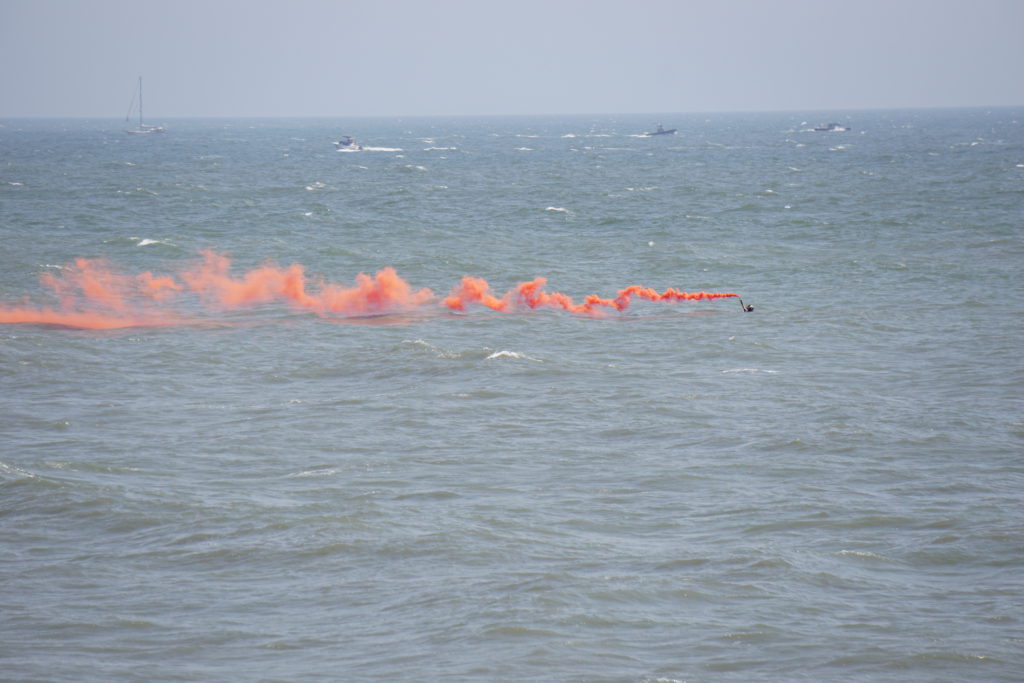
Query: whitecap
pixel 146 242
pixel 749 370
pixel 325 472
pixel 557 209
pixel 437 350
pixel 14 471
pixel 512 354
pixel 863 554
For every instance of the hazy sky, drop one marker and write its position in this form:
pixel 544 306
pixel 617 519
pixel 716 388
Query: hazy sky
pixel 65 58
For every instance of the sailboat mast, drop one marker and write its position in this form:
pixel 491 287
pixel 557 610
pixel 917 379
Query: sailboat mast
pixel 143 127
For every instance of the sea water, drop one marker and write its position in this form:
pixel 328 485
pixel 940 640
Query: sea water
pixel 828 487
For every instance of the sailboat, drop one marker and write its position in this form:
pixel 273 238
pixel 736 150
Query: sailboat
pixel 144 128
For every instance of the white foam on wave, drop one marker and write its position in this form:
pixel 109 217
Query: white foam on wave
pixel 512 354
pixel 14 471
pixel 475 354
pixel 524 149
pixel 324 472
pixel 863 554
pixel 145 241
pixel 558 209
pixel 437 350
pixel 749 370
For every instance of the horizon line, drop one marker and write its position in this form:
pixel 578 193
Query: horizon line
pixel 524 115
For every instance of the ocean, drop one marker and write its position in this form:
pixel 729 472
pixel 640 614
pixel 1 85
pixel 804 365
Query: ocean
pixel 478 401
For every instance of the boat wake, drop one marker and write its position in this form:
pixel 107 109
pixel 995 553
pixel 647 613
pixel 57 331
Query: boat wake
pixel 363 148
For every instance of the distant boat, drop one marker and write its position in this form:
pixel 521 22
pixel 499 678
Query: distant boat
pixel 346 143
pixel 136 103
pixel 661 131
pixel 831 128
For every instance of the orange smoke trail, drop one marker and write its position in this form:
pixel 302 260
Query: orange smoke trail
pixel 532 295
pixel 474 290
pixel 372 294
pixel 93 295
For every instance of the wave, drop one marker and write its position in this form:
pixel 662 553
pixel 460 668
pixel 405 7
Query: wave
pixel 473 354
pixel 512 354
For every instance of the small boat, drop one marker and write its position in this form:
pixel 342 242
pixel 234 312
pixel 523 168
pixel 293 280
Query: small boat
pixel 347 143
pixel 143 128
pixel 831 128
pixel 661 131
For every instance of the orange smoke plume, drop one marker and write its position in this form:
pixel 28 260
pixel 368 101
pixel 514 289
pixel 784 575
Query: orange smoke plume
pixel 532 295
pixel 382 293
pixel 94 295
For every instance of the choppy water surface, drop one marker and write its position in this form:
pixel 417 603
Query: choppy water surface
pixel 827 488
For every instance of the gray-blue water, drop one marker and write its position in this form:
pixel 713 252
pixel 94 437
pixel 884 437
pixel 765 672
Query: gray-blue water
pixel 827 488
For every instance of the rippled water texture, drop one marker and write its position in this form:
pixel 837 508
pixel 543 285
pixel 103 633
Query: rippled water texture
pixel 264 466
